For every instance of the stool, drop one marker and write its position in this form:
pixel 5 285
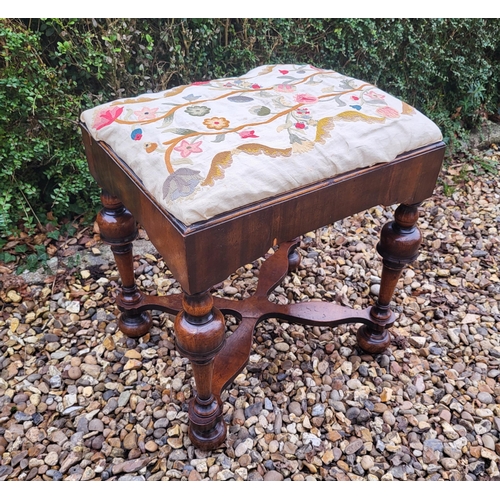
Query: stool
pixel 218 172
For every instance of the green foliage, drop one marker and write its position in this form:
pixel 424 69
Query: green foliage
pixel 73 261
pixel 34 260
pixel 43 167
pixel 52 69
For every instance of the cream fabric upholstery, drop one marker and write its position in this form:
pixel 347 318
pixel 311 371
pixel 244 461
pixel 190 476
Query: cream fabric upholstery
pixel 211 147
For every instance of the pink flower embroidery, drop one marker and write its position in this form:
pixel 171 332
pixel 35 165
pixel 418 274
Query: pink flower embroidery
pixel 185 148
pixel 200 83
pixel 355 98
pixel 246 134
pixel 306 98
pixel 107 117
pixel 256 86
pixel 374 95
pixel 388 112
pixel 283 71
pixel 285 88
pixel 300 125
pixel 146 113
pixel 303 112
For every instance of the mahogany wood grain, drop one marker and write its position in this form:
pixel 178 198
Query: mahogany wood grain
pixel 204 254
pixel 399 243
pixel 200 335
pixel 233 356
pixel 118 229
pixel 255 228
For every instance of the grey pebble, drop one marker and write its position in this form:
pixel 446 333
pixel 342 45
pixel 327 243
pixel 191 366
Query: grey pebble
pixel 123 399
pixel 318 410
pixel 488 441
pixel 485 398
pixel 434 444
pixel 253 410
pixel 363 370
pixel 273 475
pixel 353 447
pixel 352 413
pixel 96 425
pixel 295 408
pixel 384 361
pixel 478 468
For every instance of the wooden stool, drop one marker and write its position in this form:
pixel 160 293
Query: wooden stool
pixel 218 172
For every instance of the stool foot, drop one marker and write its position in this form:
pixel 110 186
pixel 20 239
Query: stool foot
pixel 372 341
pixel 118 229
pixel 206 433
pixel 134 325
pixel 200 335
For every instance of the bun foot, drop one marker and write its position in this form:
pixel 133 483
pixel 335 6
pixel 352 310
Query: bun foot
pixel 207 436
pixel 135 326
pixel 372 341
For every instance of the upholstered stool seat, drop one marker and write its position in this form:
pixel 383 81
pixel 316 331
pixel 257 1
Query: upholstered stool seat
pixel 211 147
pixel 217 172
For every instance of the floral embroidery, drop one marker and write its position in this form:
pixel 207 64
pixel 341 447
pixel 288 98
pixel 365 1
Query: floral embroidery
pixel 107 117
pixel 303 112
pixel 306 99
pixel 290 111
pixel 239 98
pixel 136 134
pixel 191 97
pixel 287 89
pixel 146 113
pixel 260 110
pixel 407 109
pixel 374 95
pixel 302 147
pixel 248 134
pixel 181 183
pixel 324 126
pixel 197 110
pixel 186 148
pixel 216 123
pixel 388 112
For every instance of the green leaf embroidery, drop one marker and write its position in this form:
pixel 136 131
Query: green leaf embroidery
pixel 182 161
pixel 167 121
pixel 180 131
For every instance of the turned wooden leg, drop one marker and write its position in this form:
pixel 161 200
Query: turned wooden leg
pixel 118 229
pixel 399 243
pixel 200 335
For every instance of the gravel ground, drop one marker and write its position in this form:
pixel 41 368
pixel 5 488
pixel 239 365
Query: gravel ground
pixel 79 401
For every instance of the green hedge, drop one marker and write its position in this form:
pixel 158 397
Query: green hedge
pixel 51 69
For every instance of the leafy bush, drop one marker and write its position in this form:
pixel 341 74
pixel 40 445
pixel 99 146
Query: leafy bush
pixel 51 69
pixel 40 149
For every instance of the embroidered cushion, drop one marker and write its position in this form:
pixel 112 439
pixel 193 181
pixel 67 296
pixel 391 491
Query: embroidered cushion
pixel 211 147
